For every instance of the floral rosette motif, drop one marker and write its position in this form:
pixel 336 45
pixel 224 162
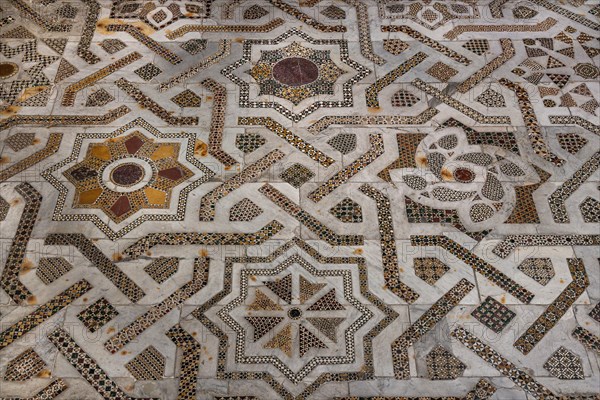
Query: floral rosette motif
pixel 295 73
pixel 477 181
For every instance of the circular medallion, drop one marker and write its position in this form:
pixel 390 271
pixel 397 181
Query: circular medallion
pixel 294 313
pixel 8 69
pixel 464 175
pixel 295 71
pixel 127 174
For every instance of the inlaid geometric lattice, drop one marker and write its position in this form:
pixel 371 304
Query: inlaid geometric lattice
pixel 493 314
pixel 299 199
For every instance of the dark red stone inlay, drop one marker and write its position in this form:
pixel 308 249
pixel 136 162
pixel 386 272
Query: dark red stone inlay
pixel 464 175
pixel 295 71
pixel 171 173
pixel 127 174
pixel 121 206
pixel 133 144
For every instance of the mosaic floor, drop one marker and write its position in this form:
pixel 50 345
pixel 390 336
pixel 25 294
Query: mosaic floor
pixel 300 199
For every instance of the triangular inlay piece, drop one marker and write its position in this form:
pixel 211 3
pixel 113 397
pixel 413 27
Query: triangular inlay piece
pixel 263 302
pixel 308 289
pixel 65 70
pixel 282 341
pixel 327 326
pixel 282 288
pixel 554 63
pixel 309 341
pixel 327 303
pixel 262 325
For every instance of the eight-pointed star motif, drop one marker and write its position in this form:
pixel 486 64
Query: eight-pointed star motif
pixel 324 315
pixel 296 73
pixel 293 311
pixel 123 175
pixel 129 176
pixel 298 313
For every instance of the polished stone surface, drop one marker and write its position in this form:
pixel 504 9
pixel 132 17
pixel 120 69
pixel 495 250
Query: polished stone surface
pixel 283 199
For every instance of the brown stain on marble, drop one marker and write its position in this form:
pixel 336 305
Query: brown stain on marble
pixel 104 22
pixel 421 160
pixel 447 175
pixel 45 373
pixel 31 91
pixel 200 149
pixel 26 266
pixel 10 110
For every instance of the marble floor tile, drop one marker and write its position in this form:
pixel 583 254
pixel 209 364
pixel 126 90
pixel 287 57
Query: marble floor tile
pixel 299 199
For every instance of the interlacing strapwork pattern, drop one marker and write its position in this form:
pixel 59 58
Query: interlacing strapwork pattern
pixel 299 199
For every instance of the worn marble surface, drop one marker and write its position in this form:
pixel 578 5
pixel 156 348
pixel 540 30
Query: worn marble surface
pixel 299 199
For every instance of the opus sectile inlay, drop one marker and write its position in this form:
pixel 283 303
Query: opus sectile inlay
pixel 299 199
